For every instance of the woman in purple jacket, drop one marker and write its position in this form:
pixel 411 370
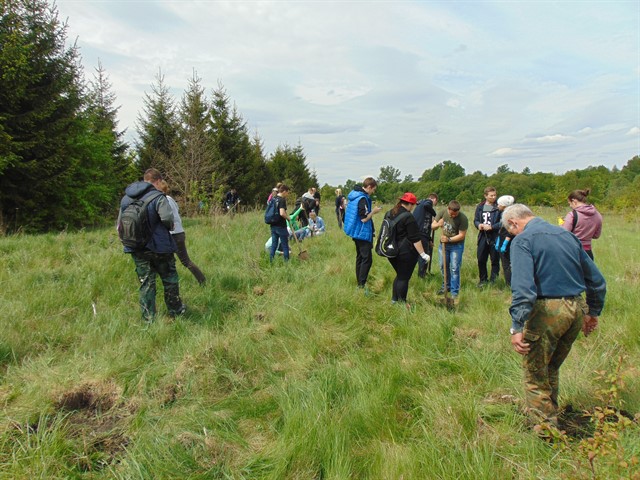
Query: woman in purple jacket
pixel 584 220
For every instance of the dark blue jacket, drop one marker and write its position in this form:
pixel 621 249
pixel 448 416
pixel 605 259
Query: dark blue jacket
pixel 495 217
pixel 353 225
pixel 160 217
pixel 424 215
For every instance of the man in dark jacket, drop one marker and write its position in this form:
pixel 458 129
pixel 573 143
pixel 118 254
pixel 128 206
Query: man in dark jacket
pixel 231 199
pixel 156 258
pixel 487 221
pixel 424 214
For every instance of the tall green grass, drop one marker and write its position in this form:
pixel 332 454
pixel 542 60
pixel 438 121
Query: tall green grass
pixel 282 370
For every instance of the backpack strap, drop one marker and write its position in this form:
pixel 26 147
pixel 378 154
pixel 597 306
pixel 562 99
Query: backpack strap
pixel 574 222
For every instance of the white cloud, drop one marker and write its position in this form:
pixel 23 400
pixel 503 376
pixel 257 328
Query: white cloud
pixel 324 128
pixel 453 103
pixel 556 138
pixel 503 152
pixel 634 131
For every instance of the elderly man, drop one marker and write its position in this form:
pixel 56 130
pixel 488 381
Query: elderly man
pixel 550 273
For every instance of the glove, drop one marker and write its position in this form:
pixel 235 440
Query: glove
pixel 504 246
pixel 425 256
pixel 497 245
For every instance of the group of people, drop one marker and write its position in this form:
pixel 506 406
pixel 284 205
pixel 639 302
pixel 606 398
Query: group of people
pixel 414 222
pixel 552 266
pixel 302 223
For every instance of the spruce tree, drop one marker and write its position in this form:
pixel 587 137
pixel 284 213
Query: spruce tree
pixel 234 155
pixel 41 126
pixel 117 168
pixel 289 164
pixel 157 128
pixel 189 174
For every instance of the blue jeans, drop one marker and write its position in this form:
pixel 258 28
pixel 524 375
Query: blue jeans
pixel 279 235
pixel 454 262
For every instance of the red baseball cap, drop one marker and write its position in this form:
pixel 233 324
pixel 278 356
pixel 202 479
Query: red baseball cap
pixel 409 198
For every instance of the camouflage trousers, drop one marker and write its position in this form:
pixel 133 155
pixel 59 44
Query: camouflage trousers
pixel 550 331
pixel 148 265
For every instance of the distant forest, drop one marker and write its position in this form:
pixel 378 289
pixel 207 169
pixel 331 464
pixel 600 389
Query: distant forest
pixel 64 163
pixel 615 189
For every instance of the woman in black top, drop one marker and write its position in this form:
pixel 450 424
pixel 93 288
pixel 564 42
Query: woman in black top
pixel 340 207
pixel 410 246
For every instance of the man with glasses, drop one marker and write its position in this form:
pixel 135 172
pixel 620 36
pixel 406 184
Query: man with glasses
pixel 454 226
pixel 550 271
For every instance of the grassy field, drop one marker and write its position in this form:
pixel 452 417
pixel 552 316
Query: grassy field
pixel 288 372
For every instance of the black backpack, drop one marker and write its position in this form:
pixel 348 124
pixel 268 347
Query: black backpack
pixel 574 221
pixel 272 213
pixel 134 228
pixel 387 244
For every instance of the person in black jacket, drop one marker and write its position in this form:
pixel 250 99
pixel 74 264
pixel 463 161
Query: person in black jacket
pixel 487 221
pixel 340 207
pixel 424 214
pixel 410 246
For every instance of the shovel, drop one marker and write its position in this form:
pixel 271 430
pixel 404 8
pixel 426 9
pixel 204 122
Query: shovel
pixel 230 212
pixel 302 254
pixel 448 301
pixel 431 243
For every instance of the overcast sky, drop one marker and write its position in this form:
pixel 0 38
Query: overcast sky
pixel 548 85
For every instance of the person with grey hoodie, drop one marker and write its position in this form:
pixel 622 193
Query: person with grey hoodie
pixel 584 220
pixel 180 237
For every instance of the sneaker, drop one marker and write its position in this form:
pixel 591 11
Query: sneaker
pixel 364 290
pixel 482 284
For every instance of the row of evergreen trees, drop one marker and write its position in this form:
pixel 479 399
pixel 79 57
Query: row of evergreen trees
pixel 63 161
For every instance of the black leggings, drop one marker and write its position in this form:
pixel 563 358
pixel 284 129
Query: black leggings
pixel 403 264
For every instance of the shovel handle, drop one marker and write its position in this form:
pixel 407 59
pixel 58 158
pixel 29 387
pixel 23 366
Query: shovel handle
pixel 445 270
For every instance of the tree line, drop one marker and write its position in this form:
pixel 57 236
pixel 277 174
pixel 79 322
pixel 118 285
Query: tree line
pixel 616 189
pixel 64 162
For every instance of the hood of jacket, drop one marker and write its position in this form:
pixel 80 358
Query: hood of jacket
pixel 586 210
pixel 137 189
